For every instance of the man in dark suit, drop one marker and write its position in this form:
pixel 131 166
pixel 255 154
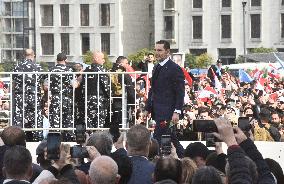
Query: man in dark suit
pixel 166 96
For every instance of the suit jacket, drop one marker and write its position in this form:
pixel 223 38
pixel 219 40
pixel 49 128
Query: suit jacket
pixel 142 170
pixel 167 91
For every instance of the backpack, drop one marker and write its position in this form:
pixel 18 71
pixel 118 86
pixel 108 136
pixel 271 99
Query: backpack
pixel 115 84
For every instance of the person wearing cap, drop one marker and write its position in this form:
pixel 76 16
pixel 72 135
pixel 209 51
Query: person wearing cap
pixel 26 89
pixel 61 97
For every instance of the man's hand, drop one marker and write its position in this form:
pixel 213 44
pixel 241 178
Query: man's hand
pixel 119 143
pixel 147 114
pixel 175 118
pixel 239 134
pixel 225 131
pixel 93 152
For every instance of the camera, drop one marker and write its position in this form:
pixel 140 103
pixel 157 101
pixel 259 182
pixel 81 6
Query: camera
pixel 200 125
pixel 53 146
pixel 166 145
pixel 78 151
pixel 210 140
pixel 80 133
pixel 244 123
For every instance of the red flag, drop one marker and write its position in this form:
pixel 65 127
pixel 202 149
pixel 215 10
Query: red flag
pixel 187 76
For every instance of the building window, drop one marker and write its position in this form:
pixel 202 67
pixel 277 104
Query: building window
pixel 282 25
pixel 105 43
pixel 228 55
pixel 282 3
pixel 226 26
pixel 197 27
pixel 255 2
pixel 226 3
pixel 46 12
pixel 64 12
pixel 169 27
pixel 197 52
pixel 85 44
pixel 19 41
pixel 104 14
pixel 255 25
pixel 197 4
pixel 47 44
pixel 65 44
pixel 169 4
pixel 84 9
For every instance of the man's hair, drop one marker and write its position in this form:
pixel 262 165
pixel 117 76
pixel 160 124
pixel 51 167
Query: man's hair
pixel 103 170
pixel 138 137
pixel 150 54
pixel 124 167
pixel 165 43
pixel 17 161
pixel 206 174
pixel 168 168
pixel 119 59
pixel 13 135
pixel 102 141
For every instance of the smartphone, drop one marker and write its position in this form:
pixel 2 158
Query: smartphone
pixel 80 133
pixel 78 151
pixel 166 145
pixel 201 125
pixel 244 124
pixel 53 146
pixel 210 140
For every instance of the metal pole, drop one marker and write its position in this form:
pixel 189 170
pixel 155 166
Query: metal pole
pixel 244 25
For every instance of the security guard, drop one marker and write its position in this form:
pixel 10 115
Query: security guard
pixel 61 104
pixel 98 92
pixel 26 91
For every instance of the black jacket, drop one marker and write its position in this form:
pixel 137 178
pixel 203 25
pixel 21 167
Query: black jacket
pixel 264 174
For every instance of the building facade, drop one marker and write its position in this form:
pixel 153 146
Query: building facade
pixel 217 27
pixel 15 17
pixel 116 27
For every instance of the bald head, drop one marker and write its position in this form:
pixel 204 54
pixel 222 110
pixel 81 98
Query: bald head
pixel 29 54
pixel 103 170
pixel 98 57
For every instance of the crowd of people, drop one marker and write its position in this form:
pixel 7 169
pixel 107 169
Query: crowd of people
pixel 241 109
pixel 139 161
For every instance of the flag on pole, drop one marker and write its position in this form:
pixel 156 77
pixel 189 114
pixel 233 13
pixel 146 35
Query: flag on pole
pixel 244 77
pixel 217 83
pixel 279 60
pixel 187 77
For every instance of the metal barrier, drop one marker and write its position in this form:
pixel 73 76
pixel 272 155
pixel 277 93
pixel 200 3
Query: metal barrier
pixel 22 87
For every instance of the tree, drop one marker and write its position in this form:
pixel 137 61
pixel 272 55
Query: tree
pixel 7 66
pixel 135 58
pixel 204 60
pixel 108 63
pixel 44 66
pixel 263 50
pixel 88 58
pixel 201 61
pixel 190 61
